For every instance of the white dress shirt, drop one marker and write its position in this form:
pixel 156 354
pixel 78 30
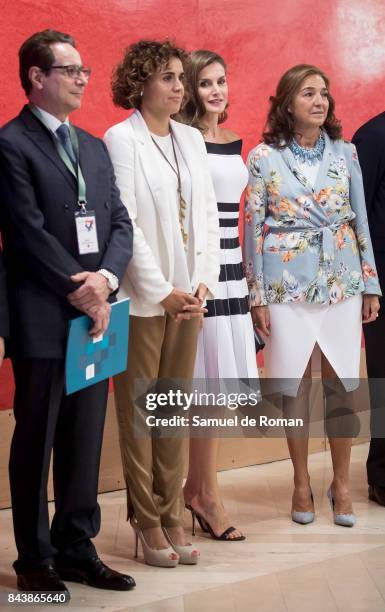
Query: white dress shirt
pixel 52 122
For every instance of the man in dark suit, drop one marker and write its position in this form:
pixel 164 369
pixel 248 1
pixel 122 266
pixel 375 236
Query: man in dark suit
pixel 4 324
pixel 370 143
pixel 55 274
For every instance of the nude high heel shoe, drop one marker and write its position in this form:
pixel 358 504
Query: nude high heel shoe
pixel 158 558
pixel 188 554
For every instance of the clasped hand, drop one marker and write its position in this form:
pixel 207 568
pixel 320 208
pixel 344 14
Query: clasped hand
pixel 91 298
pixel 182 305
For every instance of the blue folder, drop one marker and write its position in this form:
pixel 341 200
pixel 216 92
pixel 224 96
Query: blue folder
pixel 90 360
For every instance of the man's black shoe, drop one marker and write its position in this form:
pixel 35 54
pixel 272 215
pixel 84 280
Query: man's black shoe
pixel 377 494
pixel 42 579
pixel 96 574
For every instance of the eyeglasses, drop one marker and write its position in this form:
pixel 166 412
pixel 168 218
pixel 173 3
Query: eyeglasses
pixel 73 71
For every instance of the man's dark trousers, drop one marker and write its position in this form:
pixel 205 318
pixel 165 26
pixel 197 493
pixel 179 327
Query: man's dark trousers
pixel 73 426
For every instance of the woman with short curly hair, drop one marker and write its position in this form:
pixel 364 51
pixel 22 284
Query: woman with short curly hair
pixel 161 171
pixel 140 61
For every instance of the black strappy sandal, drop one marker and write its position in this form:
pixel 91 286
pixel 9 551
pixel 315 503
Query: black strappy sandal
pixel 206 527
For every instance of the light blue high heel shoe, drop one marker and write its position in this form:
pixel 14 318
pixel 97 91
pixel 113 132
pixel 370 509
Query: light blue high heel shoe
pixel 304 518
pixel 345 520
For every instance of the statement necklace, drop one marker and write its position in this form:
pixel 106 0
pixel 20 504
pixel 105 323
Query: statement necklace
pixel 308 156
pixel 181 201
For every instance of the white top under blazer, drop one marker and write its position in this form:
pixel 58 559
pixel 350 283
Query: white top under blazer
pixel 184 252
pixel 150 273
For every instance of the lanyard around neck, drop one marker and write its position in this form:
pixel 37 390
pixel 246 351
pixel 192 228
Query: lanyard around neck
pixel 82 200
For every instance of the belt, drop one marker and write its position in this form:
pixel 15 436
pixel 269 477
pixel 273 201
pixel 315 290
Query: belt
pixel 325 233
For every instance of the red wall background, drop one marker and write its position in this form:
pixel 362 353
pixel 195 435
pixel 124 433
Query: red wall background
pixel 259 40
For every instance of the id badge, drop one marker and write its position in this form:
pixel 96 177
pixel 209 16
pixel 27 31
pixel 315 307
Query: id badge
pixel 86 232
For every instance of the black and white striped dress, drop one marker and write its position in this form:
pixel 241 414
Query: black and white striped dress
pixel 226 343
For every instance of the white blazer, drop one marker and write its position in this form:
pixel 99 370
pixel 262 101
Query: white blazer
pixel 145 195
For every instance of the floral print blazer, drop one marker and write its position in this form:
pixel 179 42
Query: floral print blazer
pixel 305 244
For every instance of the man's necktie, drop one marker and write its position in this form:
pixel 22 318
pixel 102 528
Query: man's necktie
pixel 63 133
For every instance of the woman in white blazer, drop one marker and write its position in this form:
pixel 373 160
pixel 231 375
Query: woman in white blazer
pixel 162 173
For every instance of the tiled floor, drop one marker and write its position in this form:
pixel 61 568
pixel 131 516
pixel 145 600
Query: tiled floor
pixel 281 566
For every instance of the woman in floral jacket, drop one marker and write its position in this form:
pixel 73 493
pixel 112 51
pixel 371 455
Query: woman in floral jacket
pixel 309 260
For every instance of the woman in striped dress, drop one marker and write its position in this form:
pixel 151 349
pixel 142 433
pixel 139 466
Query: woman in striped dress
pixel 226 343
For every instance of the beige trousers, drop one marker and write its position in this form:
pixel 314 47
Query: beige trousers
pixel 153 467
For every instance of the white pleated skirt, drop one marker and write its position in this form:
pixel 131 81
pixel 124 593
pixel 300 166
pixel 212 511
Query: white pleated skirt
pixel 297 327
pixel 226 348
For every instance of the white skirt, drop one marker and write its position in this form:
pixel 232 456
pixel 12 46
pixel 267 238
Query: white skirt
pixel 226 348
pixel 297 327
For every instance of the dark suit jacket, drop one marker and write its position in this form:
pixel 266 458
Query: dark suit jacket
pixel 37 206
pixel 370 142
pixel 4 323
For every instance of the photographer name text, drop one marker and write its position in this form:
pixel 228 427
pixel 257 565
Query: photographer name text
pixel 233 421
